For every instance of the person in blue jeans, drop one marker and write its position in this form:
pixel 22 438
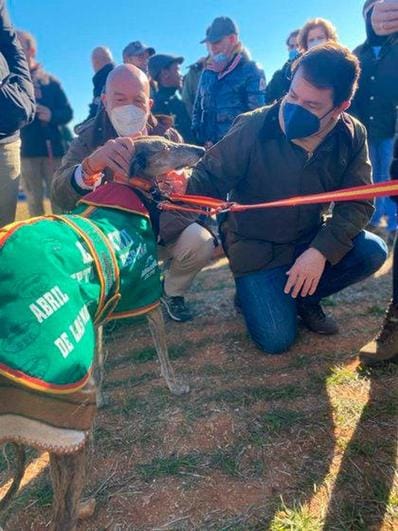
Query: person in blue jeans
pixel 285 260
pixel 380 152
pixel 269 298
pixel 376 101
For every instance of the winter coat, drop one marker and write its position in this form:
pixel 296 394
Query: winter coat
pixel 42 139
pixel 376 101
pixel 167 101
pixel 255 163
pixel 280 83
pixel 191 82
pixel 394 163
pixel 221 98
pixel 17 103
pixel 99 80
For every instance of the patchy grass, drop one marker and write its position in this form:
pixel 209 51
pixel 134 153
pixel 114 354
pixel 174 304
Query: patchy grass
pixel 306 427
pixel 341 375
pixel 297 518
pixel 168 466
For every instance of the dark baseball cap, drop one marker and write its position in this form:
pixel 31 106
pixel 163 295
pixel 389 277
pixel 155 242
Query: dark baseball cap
pixel 159 61
pixel 137 48
pixel 220 28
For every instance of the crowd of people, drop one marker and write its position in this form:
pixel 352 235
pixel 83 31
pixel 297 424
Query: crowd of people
pixel 325 121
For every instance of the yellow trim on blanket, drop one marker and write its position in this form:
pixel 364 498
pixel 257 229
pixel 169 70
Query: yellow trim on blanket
pixel 116 207
pixel 134 313
pixel 26 381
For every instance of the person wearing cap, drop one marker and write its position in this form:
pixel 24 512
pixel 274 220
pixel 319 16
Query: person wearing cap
pixel 231 83
pixel 138 54
pixel 376 106
pixel 165 71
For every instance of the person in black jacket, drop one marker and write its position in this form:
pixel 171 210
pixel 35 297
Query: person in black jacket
pixel 383 348
pixel 42 143
pixel 280 82
pixel 315 31
pixel 17 106
pixel 101 59
pixel 376 105
pixel 165 71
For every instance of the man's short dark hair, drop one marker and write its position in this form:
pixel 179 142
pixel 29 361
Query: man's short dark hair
pixel 292 35
pixel 331 66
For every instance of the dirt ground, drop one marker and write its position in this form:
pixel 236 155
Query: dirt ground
pixel 302 441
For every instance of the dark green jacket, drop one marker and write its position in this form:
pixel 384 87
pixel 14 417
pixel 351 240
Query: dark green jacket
pixel 255 162
pixel 168 101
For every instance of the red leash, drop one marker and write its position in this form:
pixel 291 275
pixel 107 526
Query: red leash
pixel 210 206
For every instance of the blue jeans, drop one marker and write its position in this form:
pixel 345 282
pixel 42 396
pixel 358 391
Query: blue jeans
pixel 271 315
pixel 380 152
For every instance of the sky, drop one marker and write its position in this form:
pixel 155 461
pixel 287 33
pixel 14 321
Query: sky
pixel 67 30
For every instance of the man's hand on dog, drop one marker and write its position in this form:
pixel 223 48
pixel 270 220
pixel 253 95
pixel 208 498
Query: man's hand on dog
pixel 116 154
pixel 305 273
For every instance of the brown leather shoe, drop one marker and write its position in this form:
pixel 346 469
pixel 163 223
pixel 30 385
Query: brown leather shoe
pixel 384 347
pixel 315 319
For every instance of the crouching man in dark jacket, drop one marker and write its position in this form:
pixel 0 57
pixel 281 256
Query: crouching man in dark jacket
pixel 16 109
pixel 286 260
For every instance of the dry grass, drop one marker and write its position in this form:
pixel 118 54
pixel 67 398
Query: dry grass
pixel 302 441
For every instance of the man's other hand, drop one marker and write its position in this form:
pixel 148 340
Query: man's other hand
pixel 305 273
pixel 116 154
pixel 385 17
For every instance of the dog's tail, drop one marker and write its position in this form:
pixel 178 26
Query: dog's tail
pixel 20 461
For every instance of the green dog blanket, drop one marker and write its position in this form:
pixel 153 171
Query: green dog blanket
pixel 60 276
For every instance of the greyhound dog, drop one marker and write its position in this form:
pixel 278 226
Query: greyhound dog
pixel 51 351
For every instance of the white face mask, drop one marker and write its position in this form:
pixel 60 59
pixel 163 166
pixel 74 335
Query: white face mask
pixel 128 119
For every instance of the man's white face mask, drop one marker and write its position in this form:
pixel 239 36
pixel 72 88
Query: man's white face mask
pixel 128 119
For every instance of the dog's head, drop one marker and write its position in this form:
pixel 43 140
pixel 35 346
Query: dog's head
pixel 155 156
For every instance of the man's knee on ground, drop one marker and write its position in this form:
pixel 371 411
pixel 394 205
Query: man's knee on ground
pixel 276 344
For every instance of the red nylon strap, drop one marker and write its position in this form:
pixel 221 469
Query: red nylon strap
pixel 209 206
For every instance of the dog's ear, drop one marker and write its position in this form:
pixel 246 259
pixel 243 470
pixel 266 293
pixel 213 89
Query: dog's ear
pixel 138 164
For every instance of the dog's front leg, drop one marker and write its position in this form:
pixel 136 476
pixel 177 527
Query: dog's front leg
pixel 156 326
